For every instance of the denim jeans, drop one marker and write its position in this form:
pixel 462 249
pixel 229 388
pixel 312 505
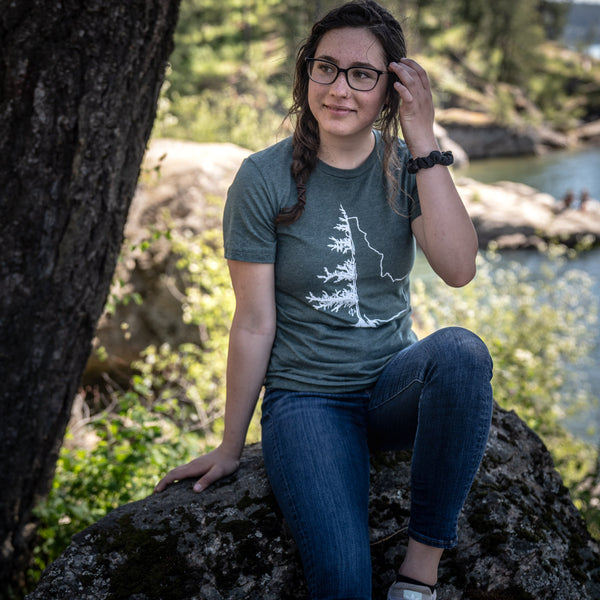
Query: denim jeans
pixel 434 397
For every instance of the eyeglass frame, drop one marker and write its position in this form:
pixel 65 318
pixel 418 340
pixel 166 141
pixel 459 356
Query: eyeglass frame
pixel 310 61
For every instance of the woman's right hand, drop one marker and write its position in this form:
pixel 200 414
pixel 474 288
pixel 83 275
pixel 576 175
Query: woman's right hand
pixel 209 467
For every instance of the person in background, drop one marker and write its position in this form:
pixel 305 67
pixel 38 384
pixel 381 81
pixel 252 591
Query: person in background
pixel 320 233
pixel 568 199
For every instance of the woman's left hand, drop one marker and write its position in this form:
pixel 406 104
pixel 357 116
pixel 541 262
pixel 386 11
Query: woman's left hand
pixel 416 107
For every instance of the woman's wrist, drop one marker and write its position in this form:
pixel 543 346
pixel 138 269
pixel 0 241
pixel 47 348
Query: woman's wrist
pixel 414 165
pixel 232 448
pixel 423 149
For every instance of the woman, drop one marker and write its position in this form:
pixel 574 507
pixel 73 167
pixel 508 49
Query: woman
pixel 319 236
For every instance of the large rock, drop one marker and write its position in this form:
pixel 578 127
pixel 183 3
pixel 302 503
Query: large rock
pixel 482 136
pixel 520 537
pixel 515 215
pixel 589 133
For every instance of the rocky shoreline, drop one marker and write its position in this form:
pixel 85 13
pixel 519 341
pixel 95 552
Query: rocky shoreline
pixel 480 136
pixel 516 216
pixel 508 214
pixel 513 215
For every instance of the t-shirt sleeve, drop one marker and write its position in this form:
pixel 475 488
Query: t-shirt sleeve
pixel 249 231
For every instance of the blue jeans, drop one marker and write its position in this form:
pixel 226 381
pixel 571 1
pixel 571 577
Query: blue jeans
pixel 434 397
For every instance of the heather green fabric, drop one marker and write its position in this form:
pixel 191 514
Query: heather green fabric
pixel 341 270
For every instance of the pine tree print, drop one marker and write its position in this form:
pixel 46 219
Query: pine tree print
pixel 345 273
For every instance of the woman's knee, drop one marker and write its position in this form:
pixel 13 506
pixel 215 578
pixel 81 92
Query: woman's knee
pixel 461 348
pixel 462 372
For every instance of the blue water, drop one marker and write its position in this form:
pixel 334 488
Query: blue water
pixel 594 50
pixel 554 173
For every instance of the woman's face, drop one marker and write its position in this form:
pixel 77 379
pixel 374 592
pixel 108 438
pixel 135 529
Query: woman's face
pixel 345 114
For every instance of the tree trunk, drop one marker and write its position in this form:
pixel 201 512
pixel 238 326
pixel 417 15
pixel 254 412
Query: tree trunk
pixel 79 81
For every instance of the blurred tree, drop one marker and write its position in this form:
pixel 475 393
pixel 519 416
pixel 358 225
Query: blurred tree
pixel 507 32
pixel 554 16
pixel 516 32
pixel 79 83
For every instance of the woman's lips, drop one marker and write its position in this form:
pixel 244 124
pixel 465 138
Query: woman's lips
pixel 338 110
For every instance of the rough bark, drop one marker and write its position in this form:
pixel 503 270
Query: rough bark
pixel 79 82
pixel 519 537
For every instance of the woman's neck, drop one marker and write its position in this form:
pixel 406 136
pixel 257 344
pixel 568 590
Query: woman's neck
pixel 346 153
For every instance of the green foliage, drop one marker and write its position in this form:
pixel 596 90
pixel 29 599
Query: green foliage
pixel 232 67
pixel 539 333
pixel 126 451
pixel 249 119
pixel 550 87
pixel 230 78
pixel 505 34
pixel 537 330
pixel 194 374
pixel 554 17
pixel 118 293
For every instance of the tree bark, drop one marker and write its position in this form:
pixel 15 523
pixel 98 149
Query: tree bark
pixel 79 81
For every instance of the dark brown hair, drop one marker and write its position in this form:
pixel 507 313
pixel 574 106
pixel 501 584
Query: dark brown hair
pixel 379 21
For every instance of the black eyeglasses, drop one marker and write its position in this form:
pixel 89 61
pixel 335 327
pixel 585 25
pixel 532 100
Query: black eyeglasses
pixel 362 79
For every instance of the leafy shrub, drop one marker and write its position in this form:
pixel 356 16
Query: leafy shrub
pixel 539 330
pixel 534 329
pixel 131 446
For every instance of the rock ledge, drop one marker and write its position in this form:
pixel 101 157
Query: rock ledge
pixel 520 537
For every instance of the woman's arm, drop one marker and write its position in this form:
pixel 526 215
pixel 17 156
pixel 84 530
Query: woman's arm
pixel 444 230
pixel 250 342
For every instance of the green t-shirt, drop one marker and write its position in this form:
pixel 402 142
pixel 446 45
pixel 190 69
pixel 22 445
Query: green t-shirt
pixel 341 270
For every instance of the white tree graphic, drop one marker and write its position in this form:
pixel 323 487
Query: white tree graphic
pixel 346 272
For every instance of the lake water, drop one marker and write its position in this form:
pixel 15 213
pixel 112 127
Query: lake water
pixel 554 174
pixel 594 50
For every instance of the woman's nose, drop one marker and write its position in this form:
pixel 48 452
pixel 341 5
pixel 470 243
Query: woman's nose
pixel 340 85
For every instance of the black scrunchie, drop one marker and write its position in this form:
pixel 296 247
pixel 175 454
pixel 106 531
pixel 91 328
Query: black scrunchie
pixel 426 162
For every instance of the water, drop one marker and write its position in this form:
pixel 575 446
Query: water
pixel 594 51
pixel 553 173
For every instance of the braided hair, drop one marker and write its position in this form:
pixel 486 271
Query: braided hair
pixel 380 22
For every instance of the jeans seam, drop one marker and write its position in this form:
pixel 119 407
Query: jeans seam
pixel 395 394
pixel 309 569
pixel 481 443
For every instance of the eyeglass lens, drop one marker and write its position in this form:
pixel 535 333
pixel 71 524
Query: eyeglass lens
pixel 358 78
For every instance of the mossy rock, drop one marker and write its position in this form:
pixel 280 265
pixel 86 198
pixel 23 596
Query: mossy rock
pixel 520 536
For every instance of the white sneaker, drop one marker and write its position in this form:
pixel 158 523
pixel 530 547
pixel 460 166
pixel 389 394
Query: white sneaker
pixel 410 591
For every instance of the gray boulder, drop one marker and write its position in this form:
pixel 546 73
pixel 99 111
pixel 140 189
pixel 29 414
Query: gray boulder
pixel 482 136
pixel 515 215
pixel 520 537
